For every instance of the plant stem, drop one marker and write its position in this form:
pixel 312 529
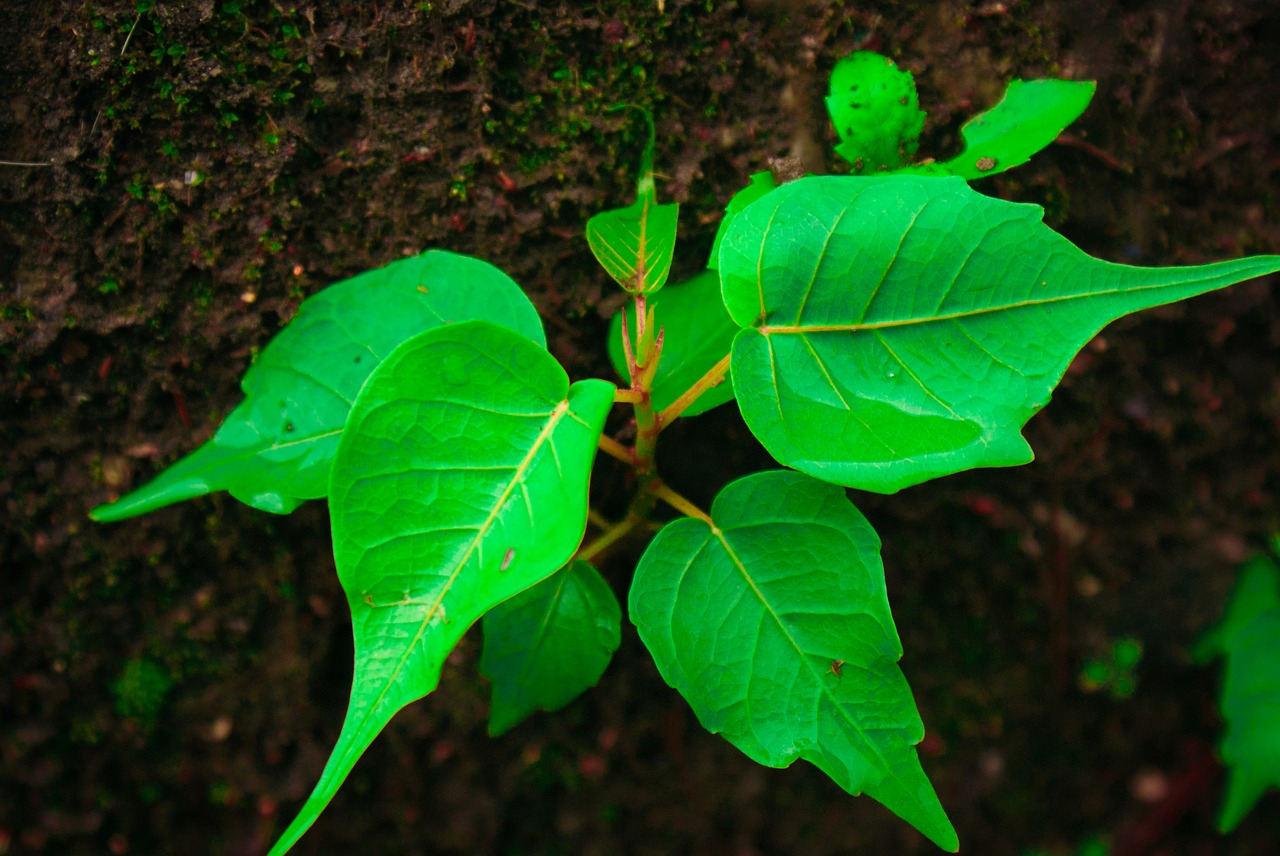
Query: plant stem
pixel 659 488
pixel 714 377
pixel 626 396
pixel 614 449
pixel 608 538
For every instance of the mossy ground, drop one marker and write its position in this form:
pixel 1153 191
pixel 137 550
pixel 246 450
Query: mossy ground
pixel 214 162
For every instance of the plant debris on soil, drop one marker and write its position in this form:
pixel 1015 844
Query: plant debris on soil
pixel 178 177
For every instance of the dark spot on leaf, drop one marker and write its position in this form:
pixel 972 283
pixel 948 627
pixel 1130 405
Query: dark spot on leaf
pixel 288 426
pixel 986 164
pixel 507 559
pixel 358 359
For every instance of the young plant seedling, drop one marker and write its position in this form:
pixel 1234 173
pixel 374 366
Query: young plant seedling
pixel 879 331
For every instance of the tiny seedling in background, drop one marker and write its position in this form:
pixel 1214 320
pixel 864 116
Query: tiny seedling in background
pixel 1114 673
pixel 876 331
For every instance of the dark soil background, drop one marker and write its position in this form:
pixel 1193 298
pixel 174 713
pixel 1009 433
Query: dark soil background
pixel 173 684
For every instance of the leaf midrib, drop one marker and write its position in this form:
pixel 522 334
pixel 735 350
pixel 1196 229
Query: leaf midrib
pixel 818 678
pixel 793 329
pixel 554 419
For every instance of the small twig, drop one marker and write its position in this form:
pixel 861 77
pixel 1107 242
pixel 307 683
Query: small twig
pixel 614 449
pixel 130 36
pixel 714 377
pixel 627 396
pixel 25 163
pixel 659 489
pixel 598 520
pixel 611 536
pixel 1101 154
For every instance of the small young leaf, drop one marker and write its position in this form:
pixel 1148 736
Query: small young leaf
pixel 901 328
pixel 761 184
pixel 698 334
pixel 546 645
pixel 774 624
pixel 1249 638
pixel 634 244
pixel 460 480
pixel 876 112
pixel 275 449
pixel 1029 117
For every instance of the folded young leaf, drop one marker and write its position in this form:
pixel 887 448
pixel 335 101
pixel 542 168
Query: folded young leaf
pixel 1029 117
pixel 546 645
pixel 275 449
pixel 1249 639
pixel 901 328
pixel 460 480
pixel 773 622
pixel 634 244
pixel 698 334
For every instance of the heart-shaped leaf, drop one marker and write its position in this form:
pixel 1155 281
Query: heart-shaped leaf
pixel 1029 117
pixel 698 334
pixel 900 328
pixel 772 621
pixel 460 481
pixel 634 244
pixel 275 449
pixel 1249 639
pixel 546 645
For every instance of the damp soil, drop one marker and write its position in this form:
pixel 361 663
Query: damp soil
pixel 173 684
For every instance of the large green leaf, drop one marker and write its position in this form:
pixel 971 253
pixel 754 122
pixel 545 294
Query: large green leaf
pixel 698 333
pixel 773 622
pixel 1029 117
pixel 761 183
pixel 546 645
pixel 1249 638
pixel 900 328
pixel 460 480
pixel 275 449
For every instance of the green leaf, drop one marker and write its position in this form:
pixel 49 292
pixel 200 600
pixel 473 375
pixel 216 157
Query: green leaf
pixel 1249 638
pixel 761 184
pixel 774 623
pixel 460 481
pixel 275 449
pixel 546 645
pixel 634 244
pixel 1029 117
pixel 900 328
pixel 698 334
pixel 1257 590
pixel 876 112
